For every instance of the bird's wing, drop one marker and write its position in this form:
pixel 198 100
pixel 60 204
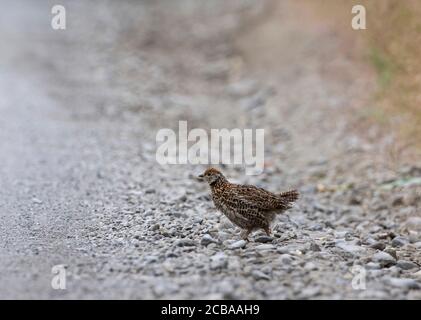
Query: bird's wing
pixel 243 209
pixel 252 214
pixel 257 197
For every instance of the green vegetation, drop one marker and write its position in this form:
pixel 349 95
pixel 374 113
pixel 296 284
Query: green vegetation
pixel 391 44
pixel 383 67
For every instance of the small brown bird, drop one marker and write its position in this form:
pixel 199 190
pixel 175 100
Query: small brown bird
pixel 247 206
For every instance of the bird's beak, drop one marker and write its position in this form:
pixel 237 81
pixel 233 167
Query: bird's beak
pixel 200 176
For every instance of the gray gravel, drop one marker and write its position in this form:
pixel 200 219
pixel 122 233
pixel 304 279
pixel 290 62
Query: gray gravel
pixel 81 187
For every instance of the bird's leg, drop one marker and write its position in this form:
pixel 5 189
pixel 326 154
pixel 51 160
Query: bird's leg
pixel 245 233
pixel 291 222
pixel 267 230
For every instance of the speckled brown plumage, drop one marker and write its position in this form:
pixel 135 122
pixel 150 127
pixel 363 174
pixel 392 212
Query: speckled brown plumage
pixel 247 206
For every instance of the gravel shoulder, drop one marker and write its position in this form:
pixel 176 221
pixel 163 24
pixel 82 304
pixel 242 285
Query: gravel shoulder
pixel 81 187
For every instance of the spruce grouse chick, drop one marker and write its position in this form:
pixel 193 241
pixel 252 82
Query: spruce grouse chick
pixel 247 206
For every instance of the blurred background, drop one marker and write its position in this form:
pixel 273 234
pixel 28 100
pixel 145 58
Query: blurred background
pixel 389 47
pixel 80 109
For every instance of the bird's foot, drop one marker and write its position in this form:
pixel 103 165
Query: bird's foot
pixel 245 234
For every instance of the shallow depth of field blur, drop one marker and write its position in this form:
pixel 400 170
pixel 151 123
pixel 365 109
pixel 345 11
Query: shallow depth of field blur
pixel 391 46
pixel 81 187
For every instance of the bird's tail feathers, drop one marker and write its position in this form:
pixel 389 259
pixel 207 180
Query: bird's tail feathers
pixel 290 196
